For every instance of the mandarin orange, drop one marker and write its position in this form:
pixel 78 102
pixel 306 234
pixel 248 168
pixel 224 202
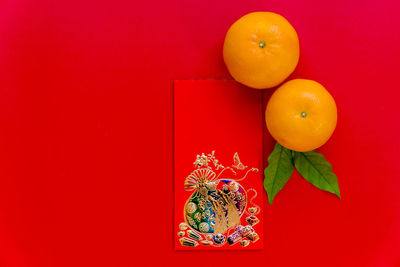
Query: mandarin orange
pixel 301 115
pixel 261 50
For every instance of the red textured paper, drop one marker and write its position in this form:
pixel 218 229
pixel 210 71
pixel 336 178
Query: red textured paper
pixel 224 117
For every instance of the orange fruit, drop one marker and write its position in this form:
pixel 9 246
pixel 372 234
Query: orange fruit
pixel 261 50
pixel 301 115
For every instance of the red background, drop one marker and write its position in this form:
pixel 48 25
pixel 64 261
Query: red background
pixel 86 131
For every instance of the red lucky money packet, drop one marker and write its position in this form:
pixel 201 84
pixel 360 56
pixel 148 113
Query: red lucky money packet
pixel 218 160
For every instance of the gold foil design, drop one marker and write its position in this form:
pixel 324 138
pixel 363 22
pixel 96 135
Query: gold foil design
pixel 181 233
pixel 224 205
pixel 183 226
pixel 206 242
pixel 244 242
pixel 212 212
pixel 252 210
pixel 187 242
pixel 237 164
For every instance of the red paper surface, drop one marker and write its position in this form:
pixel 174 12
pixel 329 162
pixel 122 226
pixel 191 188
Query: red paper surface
pixel 224 117
pixel 86 152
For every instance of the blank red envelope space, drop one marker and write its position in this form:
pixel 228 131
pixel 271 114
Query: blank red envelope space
pixel 218 157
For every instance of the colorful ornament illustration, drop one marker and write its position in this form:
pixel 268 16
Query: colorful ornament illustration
pixel 217 204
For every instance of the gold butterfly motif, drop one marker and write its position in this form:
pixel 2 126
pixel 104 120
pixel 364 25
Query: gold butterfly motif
pixel 237 164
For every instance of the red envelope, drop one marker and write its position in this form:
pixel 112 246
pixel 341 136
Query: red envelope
pixel 218 152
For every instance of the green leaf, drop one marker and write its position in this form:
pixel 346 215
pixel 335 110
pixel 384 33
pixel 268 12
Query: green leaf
pixel 316 170
pixel 278 171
